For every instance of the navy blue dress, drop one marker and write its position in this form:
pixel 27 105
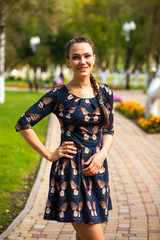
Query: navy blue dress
pixel 72 196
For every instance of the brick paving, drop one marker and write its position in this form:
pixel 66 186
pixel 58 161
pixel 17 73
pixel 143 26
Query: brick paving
pixel 134 166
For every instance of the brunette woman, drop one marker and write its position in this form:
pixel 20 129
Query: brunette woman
pixel 79 190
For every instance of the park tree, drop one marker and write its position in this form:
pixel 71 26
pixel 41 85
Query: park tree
pixel 4 5
pixel 102 22
pixel 2 53
pixel 89 18
pixel 28 19
pixel 19 21
pixel 146 36
pixel 39 18
pixel 56 21
pixel 147 47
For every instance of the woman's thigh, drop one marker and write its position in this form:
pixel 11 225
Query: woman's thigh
pixel 89 231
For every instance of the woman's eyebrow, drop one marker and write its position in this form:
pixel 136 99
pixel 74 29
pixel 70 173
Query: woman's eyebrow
pixel 77 54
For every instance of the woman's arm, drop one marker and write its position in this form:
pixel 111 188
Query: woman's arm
pixel 107 141
pixel 31 138
pixel 44 106
pixel 95 162
pixel 63 150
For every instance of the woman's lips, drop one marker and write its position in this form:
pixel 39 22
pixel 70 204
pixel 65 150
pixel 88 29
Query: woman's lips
pixel 83 69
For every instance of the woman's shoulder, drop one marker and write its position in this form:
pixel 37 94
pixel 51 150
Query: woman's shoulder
pixel 57 92
pixel 57 89
pixel 106 89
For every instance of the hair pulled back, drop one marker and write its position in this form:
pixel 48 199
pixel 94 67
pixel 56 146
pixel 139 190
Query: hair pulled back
pixel 92 79
pixel 78 40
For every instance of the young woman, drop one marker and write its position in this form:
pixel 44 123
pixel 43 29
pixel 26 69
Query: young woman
pixel 79 191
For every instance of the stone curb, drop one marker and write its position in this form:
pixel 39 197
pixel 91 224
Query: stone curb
pixel 33 192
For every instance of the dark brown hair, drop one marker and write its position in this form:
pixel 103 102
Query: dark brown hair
pixel 78 40
pixel 92 79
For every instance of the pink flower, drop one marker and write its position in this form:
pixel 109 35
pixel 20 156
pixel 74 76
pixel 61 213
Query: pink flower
pixel 117 98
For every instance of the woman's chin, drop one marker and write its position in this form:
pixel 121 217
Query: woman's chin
pixel 84 73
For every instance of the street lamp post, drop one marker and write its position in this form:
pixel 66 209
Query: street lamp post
pixel 128 28
pixel 34 41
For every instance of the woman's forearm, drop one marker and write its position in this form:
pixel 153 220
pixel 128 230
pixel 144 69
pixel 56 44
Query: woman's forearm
pixel 95 162
pixel 107 141
pixel 31 138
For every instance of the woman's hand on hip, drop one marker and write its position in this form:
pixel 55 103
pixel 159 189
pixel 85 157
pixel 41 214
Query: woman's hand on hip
pixel 95 163
pixel 66 149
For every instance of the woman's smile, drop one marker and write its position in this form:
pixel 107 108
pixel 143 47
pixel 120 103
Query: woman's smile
pixel 83 69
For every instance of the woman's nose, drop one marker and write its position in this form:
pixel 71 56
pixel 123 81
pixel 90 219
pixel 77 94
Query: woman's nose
pixel 82 60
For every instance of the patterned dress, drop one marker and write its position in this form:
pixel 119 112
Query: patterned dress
pixel 72 196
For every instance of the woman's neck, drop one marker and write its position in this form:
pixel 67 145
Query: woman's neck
pixel 80 83
pixel 81 87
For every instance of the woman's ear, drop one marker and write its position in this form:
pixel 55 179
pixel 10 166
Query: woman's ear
pixel 68 64
pixel 94 59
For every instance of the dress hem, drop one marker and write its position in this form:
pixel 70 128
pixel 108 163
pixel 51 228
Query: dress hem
pixel 89 222
pixel 75 221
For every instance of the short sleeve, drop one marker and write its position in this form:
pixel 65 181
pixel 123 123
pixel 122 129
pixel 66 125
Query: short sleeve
pixel 109 106
pixel 44 106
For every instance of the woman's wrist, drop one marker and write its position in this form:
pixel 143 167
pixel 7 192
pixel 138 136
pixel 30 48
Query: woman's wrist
pixel 103 152
pixel 48 155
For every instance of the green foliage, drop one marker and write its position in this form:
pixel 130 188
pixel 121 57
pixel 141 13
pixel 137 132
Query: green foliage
pixel 18 162
pixel 57 45
pixel 56 21
pixel 28 19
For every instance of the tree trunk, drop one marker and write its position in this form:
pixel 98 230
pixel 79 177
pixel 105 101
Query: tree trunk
pixel 107 61
pixel 150 43
pixel 2 57
pixel 115 61
pixel 127 65
pixel 100 58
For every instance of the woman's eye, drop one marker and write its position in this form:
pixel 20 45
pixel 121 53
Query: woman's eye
pixel 87 56
pixel 75 57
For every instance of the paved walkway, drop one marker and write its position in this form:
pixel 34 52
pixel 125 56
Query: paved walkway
pixel 134 165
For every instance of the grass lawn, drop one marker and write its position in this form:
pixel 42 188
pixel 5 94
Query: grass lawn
pixel 18 162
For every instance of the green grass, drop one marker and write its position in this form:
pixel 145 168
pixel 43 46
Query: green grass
pixel 18 162
pixel 140 87
pixel 15 82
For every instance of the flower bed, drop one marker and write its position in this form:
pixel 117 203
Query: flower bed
pixel 131 109
pixel 151 124
pixel 136 112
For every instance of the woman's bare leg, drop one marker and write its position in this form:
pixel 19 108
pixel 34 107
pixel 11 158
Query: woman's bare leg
pixel 89 231
pixel 77 237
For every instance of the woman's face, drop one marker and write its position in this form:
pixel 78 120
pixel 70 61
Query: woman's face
pixel 81 59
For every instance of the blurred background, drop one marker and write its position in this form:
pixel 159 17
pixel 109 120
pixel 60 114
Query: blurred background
pixel 33 34
pixel 126 35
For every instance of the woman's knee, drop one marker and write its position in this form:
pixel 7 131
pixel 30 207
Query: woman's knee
pixel 89 231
